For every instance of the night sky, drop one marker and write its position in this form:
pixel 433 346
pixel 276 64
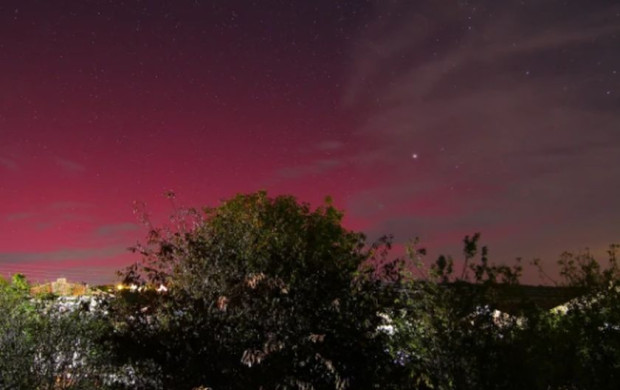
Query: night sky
pixel 421 118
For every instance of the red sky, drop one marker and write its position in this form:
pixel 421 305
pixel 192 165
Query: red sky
pixel 429 119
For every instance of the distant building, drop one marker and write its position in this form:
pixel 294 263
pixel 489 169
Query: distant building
pixel 61 287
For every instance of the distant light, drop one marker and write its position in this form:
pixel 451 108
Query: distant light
pixel 414 156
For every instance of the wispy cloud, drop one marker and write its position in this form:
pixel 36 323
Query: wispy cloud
pixel 442 39
pixel 8 164
pixel 53 213
pixel 62 254
pixel 511 125
pixel 483 98
pixel 329 145
pixel 116 229
pixel 20 216
pixel 70 166
pixel 70 205
pixel 315 168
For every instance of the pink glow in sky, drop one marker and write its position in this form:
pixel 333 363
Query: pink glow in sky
pixel 430 119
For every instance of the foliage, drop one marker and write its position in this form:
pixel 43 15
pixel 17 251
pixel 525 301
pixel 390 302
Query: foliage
pixel 450 335
pixel 268 293
pixel 16 344
pixel 44 345
pixel 262 293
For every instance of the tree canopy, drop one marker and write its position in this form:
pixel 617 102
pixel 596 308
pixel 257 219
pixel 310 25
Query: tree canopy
pixel 263 292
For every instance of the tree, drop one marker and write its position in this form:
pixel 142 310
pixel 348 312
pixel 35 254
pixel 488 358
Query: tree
pixel 261 293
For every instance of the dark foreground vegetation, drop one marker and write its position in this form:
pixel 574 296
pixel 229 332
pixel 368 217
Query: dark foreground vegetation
pixel 267 293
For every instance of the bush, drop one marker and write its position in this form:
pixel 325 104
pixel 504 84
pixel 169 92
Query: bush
pixel 46 346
